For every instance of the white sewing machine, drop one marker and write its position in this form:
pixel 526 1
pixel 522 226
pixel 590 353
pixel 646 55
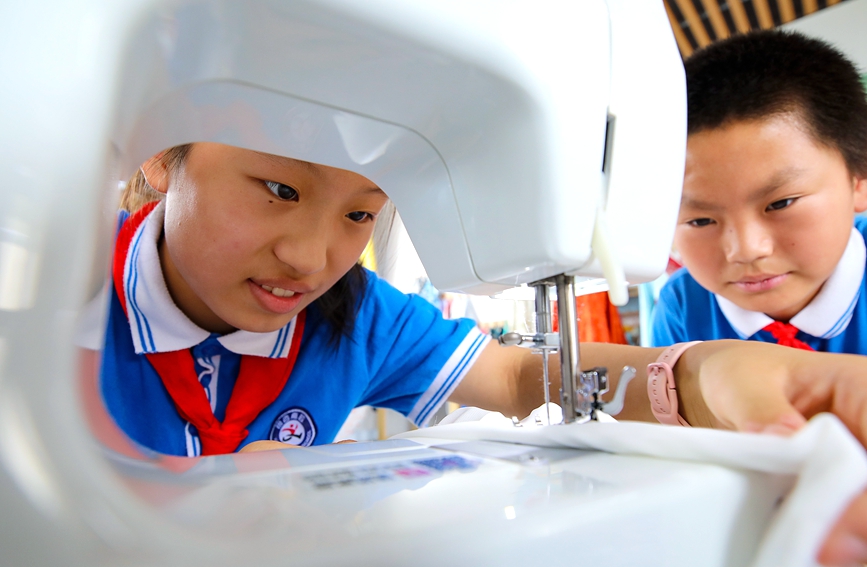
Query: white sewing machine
pixel 566 118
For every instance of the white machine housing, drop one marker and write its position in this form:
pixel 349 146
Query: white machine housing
pixel 482 124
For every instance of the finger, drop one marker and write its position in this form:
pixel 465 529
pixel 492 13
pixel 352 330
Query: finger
pixel 257 446
pixel 845 396
pixel 752 408
pixel 783 425
pixel 846 544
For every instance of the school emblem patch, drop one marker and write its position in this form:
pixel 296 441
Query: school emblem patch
pixel 294 427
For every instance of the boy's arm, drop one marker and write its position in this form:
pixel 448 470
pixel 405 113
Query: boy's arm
pixel 730 384
pixel 754 386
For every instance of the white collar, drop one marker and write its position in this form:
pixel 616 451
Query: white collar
pixel 830 311
pixel 158 325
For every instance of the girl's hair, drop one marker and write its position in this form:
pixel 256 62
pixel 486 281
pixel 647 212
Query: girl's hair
pixel 339 305
pixel 138 193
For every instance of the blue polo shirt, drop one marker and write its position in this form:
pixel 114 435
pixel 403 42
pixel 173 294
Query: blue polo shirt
pixel 834 321
pixel 402 354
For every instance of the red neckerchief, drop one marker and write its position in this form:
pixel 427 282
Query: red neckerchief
pixel 259 382
pixel 785 335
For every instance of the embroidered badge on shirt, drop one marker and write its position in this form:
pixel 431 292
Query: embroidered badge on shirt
pixel 294 427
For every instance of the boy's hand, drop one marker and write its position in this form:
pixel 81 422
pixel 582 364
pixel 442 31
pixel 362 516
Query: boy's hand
pixel 750 386
pixel 761 387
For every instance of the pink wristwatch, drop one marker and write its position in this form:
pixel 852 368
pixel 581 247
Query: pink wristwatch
pixel 661 388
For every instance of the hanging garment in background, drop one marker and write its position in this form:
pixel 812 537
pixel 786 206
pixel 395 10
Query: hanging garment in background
pixel 598 319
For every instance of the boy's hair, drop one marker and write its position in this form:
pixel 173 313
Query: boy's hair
pixel 771 72
pixel 338 305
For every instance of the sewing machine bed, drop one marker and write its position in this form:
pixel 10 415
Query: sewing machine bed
pixel 398 502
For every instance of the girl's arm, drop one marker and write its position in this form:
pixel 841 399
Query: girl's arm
pixel 509 379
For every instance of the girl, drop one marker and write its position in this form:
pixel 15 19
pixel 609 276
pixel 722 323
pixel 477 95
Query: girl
pixel 239 314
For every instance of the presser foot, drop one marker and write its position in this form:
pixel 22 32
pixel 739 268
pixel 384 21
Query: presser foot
pixel 591 385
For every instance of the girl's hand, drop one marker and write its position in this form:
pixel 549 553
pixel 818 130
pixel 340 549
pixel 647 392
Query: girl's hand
pixel 257 446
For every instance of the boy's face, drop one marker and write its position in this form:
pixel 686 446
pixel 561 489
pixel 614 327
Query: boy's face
pixel 252 239
pixel 766 213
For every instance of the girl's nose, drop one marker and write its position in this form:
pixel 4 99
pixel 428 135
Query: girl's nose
pixel 747 242
pixel 305 251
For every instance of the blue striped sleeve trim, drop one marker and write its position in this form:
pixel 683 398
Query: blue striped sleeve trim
pixel 451 380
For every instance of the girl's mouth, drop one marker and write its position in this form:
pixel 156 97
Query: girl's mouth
pixel 275 299
pixel 279 292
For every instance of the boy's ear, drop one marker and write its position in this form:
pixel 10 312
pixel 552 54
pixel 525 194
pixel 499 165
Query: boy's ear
pixel 860 195
pixel 156 173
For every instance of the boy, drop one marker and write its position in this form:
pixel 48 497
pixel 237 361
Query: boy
pixel 776 169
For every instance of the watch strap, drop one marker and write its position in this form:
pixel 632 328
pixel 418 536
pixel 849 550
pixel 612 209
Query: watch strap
pixel 661 388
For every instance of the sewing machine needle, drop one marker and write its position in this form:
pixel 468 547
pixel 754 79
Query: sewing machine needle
pixel 546 378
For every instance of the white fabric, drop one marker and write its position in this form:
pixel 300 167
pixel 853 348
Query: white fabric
pixel 538 416
pixel 158 325
pixel 830 311
pixel 830 465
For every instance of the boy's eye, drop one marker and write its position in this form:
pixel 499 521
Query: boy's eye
pixel 359 216
pixel 282 192
pixel 699 222
pixel 781 204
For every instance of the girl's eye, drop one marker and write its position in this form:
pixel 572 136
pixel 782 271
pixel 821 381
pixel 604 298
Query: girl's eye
pixel 698 223
pixel 359 216
pixel 781 204
pixel 282 192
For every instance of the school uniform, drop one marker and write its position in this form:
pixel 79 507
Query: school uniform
pixel 834 321
pixel 401 354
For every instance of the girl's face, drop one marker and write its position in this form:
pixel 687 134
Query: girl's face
pixel 251 239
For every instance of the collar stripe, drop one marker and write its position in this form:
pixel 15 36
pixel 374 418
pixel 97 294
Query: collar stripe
pixel 287 336
pixel 843 322
pixel 279 343
pixel 283 340
pixel 142 324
